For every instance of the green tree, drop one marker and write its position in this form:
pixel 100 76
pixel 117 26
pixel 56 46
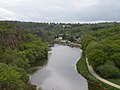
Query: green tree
pixel 109 70
pixel 116 59
pixel 10 78
pixel 97 58
pixel 86 40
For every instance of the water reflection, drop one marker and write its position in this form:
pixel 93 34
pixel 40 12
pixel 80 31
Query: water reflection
pixel 60 72
pixel 38 65
pixel 42 76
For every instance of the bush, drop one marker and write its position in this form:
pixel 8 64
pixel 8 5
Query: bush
pixel 108 70
pixel 116 59
pixel 97 58
pixel 10 79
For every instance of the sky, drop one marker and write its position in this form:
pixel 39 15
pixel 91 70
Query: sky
pixel 60 10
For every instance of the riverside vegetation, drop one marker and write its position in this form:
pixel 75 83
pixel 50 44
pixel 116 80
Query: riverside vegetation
pixel 23 43
pixel 18 50
pixel 102 48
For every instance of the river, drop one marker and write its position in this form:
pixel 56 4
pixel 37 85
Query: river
pixel 60 72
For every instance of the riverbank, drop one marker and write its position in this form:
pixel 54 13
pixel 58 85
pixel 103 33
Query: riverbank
pixel 67 43
pixel 92 72
pixel 61 59
pixel 93 83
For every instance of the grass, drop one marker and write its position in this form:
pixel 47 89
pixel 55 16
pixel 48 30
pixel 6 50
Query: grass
pixel 93 83
pixel 82 68
pixel 116 81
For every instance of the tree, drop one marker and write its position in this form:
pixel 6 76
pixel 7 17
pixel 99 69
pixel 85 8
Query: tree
pixel 10 79
pixel 97 58
pixel 94 45
pixel 108 70
pixel 86 40
pixel 116 59
pixel 71 38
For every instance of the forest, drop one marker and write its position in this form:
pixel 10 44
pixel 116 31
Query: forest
pixel 18 51
pixel 102 47
pixel 24 43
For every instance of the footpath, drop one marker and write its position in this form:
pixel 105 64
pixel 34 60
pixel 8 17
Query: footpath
pixel 98 77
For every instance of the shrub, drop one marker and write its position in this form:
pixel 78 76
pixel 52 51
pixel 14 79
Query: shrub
pixel 108 70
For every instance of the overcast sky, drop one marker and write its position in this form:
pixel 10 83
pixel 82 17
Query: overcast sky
pixel 60 10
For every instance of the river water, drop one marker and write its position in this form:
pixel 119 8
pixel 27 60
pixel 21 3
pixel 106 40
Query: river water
pixel 60 71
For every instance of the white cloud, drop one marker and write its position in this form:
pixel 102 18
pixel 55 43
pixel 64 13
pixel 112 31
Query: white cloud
pixel 10 15
pixel 7 15
pixel 84 3
pixel 60 10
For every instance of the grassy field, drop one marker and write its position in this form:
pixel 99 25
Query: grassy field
pixel 93 83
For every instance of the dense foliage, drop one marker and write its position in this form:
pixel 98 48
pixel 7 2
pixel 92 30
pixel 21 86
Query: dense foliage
pixel 20 47
pixel 18 50
pixel 103 49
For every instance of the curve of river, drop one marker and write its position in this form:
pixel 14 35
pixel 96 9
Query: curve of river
pixel 60 72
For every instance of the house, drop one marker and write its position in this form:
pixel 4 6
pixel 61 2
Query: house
pixel 60 38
